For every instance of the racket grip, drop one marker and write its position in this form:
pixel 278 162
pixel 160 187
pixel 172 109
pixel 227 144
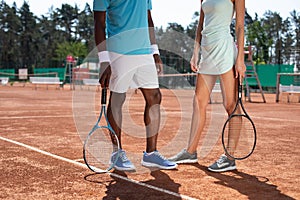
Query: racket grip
pixel 103 96
pixel 240 90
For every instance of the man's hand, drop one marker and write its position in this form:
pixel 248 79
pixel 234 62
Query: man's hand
pixel 105 75
pixel 158 63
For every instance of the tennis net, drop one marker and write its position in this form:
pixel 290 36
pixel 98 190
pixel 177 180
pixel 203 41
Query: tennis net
pixel 169 81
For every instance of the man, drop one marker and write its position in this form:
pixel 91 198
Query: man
pixel 128 56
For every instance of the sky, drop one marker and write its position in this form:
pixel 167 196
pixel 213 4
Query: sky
pixel 166 11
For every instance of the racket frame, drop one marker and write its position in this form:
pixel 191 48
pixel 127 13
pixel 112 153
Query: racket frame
pixel 97 126
pixel 239 102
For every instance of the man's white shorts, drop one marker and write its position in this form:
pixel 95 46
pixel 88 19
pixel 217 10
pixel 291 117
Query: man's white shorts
pixel 132 71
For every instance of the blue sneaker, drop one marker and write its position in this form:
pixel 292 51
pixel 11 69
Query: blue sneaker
pixel 155 159
pixel 123 163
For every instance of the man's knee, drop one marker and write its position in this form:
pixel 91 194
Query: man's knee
pixel 152 96
pixel 155 97
pixel 117 99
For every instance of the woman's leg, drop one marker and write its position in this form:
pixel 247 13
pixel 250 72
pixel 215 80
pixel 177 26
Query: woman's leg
pixel 204 86
pixel 229 92
pixel 229 86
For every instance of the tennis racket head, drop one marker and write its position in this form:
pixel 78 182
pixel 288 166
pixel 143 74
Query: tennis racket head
pixel 239 132
pixel 101 143
pixel 98 149
pixel 239 136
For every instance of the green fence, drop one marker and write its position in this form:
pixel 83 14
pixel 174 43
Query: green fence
pixel 267 75
pixel 61 72
pixel 5 72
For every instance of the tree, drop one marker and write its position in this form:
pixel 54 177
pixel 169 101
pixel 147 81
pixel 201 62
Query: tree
pixel 288 42
pixel 256 36
pixel 67 21
pixel 86 28
pixel 192 28
pixel 75 49
pixel 51 36
pixel 48 41
pixel 10 26
pixel 295 17
pixel 28 37
pixel 274 29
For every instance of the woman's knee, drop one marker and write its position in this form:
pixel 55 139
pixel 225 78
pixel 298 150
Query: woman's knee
pixel 200 101
pixel 229 106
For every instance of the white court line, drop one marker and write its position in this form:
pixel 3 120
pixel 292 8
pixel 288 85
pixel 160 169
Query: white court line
pixel 35 116
pixel 109 173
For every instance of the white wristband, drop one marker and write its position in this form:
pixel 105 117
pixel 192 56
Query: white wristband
pixel 154 49
pixel 103 56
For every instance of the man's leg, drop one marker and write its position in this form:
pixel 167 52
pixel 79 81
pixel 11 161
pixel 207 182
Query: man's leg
pixel 152 158
pixel 114 115
pixel 114 112
pixel 152 116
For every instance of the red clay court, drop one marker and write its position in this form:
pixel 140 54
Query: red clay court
pixel 41 151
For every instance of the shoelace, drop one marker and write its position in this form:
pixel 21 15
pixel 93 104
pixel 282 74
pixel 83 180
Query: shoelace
pixel 160 156
pixel 123 156
pixel 221 159
pixel 181 153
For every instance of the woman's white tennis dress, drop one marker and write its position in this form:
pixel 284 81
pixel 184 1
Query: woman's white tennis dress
pixel 218 50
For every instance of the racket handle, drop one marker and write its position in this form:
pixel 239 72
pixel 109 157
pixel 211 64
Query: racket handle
pixel 240 91
pixel 103 96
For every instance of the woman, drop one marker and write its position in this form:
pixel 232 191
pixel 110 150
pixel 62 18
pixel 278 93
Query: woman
pixel 220 56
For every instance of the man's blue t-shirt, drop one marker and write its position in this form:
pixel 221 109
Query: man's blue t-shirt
pixel 127 25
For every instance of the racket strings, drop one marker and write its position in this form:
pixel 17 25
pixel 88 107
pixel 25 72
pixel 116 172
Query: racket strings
pixel 239 136
pixel 99 149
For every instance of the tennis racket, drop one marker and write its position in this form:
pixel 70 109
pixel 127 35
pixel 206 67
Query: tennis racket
pixel 101 142
pixel 239 132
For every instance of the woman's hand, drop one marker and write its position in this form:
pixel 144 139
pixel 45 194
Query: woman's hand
pixel 194 62
pixel 240 69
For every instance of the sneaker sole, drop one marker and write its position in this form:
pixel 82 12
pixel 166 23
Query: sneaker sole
pixel 187 161
pixel 152 165
pixel 124 168
pixel 223 170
